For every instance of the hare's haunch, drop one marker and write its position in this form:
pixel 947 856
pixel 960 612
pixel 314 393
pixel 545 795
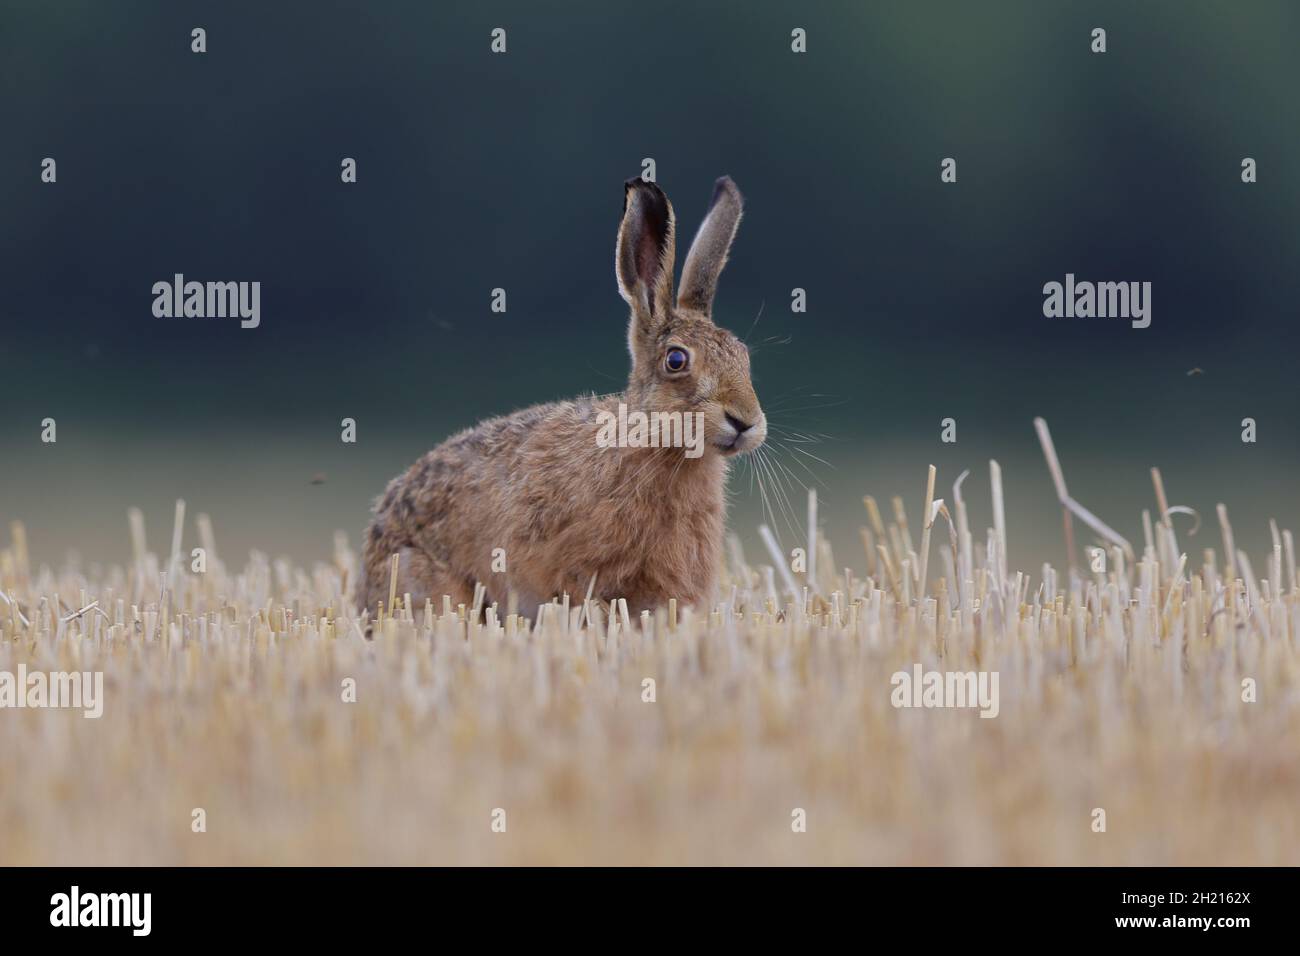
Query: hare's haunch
pixel 540 501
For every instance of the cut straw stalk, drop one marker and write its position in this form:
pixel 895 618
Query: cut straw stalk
pixel 965 563
pixel 135 518
pixel 904 533
pixel 999 520
pixel 1229 547
pixel 873 513
pixel 15 609
pixel 890 573
pixel 1275 568
pixel 18 531
pixel 812 538
pixel 178 525
pixel 1167 545
pixel 1289 542
pixel 1084 515
pixel 206 537
pixel 778 560
pixel 392 582
pixel 927 524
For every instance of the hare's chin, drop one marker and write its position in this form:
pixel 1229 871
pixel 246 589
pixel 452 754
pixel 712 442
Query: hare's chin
pixel 737 446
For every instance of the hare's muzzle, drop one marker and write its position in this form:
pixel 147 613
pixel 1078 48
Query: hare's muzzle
pixel 740 434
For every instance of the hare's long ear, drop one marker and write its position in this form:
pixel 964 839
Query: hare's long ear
pixel 709 250
pixel 643 258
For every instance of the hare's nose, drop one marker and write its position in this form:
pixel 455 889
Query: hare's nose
pixel 737 424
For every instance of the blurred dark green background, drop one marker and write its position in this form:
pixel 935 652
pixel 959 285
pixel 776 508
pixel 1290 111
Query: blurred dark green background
pixel 479 170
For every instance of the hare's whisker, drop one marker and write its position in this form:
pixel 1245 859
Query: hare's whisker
pixel 797 436
pixel 808 408
pixel 762 490
pixel 792 480
pixel 778 490
pixel 755 325
pixel 813 457
pixel 793 477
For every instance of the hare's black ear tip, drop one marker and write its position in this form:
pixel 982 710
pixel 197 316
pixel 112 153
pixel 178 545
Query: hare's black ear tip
pixel 636 182
pixel 650 192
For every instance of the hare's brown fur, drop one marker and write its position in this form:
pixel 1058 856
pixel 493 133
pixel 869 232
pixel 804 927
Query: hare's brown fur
pixel 648 523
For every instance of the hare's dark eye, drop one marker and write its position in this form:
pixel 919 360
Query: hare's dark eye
pixel 676 360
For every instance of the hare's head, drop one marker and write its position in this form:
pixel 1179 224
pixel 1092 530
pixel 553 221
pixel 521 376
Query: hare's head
pixel 681 361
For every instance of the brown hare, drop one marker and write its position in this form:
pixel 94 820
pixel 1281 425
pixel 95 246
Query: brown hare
pixel 548 487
